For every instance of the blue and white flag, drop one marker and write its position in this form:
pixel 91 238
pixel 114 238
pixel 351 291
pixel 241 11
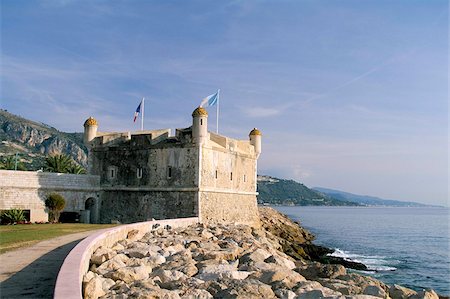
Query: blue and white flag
pixel 210 100
pixel 138 110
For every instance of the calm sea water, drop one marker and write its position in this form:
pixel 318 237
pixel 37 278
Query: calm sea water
pixel 406 246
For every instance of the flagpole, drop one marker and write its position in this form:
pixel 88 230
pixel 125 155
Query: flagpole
pixel 217 114
pixel 142 119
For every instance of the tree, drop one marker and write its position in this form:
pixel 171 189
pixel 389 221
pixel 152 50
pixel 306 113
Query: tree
pixel 55 204
pixel 76 169
pixel 9 163
pixel 58 163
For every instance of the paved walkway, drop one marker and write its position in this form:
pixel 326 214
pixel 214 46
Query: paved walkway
pixel 31 272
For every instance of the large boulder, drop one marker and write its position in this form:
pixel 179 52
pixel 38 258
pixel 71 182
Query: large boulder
pixel 246 289
pixel 425 294
pixel 101 255
pixel 97 286
pixel 131 274
pixel 399 292
pixel 374 290
pixel 316 270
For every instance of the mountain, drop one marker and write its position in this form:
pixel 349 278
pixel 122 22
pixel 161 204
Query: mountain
pixel 288 192
pixel 366 200
pixel 33 141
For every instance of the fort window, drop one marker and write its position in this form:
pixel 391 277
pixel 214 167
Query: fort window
pixel 245 178
pixel 139 173
pixel 231 176
pixel 169 172
pixel 201 122
pixel 112 172
pixel 216 174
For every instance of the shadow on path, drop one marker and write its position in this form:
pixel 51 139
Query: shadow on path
pixel 38 279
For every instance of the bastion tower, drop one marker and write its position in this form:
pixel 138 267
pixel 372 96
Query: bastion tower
pixel 192 173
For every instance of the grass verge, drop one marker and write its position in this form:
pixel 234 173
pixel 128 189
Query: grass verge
pixel 22 235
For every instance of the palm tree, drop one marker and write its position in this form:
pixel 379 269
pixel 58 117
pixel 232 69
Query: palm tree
pixel 58 163
pixel 76 169
pixel 9 163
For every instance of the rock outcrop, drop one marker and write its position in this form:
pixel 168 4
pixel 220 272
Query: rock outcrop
pixel 224 261
pixel 34 141
pixel 297 241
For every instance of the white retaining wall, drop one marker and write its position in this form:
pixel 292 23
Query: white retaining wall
pixel 27 190
pixel 76 264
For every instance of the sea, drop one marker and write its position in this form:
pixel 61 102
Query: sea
pixel 406 246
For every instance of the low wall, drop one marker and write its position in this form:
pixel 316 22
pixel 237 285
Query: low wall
pixel 76 264
pixel 27 190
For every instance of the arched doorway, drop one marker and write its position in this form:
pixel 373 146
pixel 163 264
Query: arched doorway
pixel 90 210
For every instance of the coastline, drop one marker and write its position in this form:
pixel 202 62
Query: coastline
pixel 229 261
pixel 400 245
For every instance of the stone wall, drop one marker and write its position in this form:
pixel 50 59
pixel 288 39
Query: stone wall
pixel 129 205
pixel 228 207
pixel 227 170
pixel 153 163
pixel 28 190
pixel 228 183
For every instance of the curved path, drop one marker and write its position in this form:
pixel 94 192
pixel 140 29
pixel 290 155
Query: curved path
pixel 31 272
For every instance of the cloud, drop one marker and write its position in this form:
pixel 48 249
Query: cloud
pixel 262 111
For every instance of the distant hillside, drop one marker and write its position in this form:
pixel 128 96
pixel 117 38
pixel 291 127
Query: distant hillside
pixel 366 200
pixel 34 141
pixel 288 192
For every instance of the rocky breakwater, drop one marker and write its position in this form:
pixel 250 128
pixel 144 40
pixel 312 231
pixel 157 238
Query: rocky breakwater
pixel 223 261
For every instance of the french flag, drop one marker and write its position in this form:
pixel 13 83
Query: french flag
pixel 138 110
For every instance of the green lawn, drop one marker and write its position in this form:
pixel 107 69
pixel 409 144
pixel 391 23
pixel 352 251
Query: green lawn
pixel 17 236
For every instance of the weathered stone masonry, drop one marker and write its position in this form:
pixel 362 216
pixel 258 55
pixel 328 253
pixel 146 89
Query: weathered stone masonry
pixel 28 190
pixel 150 174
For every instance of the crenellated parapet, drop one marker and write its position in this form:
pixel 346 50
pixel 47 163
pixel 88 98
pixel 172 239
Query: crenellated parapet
pixel 194 173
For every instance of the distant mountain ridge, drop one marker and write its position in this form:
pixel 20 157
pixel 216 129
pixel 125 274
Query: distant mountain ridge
pixel 367 200
pixel 289 192
pixel 34 141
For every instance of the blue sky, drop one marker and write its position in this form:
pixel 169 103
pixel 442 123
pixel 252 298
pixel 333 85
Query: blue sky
pixel 351 95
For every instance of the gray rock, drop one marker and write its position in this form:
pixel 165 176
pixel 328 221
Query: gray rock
pixel 259 255
pixel 361 297
pixel 134 235
pixel 196 294
pixel 425 294
pixel 169 275
pixel 101 255
pixel 246 289
pixel 399 292
pixel 153 293
pixel 131 274
pixel 285 294
pixel 374 290
pixel 206 234
pixel 316 270
pixel 117 262
pixel 93 289
pixel 281 261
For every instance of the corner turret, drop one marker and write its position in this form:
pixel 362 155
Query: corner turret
pixel 199 125
pixel 255 140
pixel 90 130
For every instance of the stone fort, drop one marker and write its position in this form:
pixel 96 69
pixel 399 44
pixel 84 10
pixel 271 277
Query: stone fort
pixel 143 175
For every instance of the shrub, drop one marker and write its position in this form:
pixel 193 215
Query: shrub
pixel 12 216
pixel 55 204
